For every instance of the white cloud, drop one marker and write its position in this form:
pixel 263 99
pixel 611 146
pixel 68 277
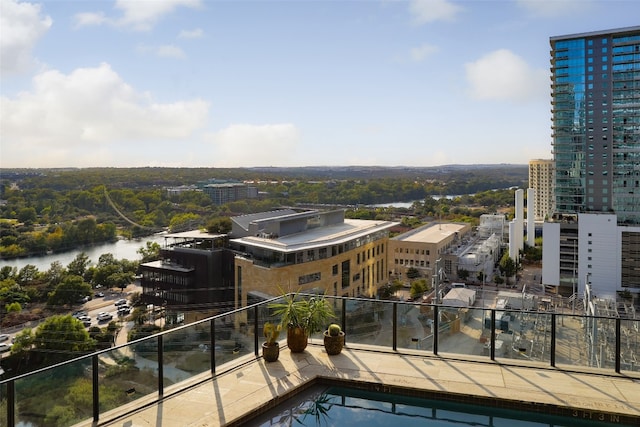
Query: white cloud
pixel 255 145
pixel 90 109
pixel 170 51
pixel 138 15
pixel 90 19
pixel 426 11
pixel 21 25
pixel 555 8
pixel 163 51
pixel 502 75
pixel 191 34
pixel 422 52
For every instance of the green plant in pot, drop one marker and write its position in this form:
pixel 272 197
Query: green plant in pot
pixel 271 347
pixel 333 339
pixel 302 316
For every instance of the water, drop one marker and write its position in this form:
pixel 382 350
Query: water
pixel 338 406
pixel 409 204
pixel 121 249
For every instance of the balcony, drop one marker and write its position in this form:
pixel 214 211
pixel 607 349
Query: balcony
pixel 211 372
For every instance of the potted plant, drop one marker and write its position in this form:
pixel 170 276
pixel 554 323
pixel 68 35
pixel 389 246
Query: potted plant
pixel 333 339
pixel 271 347
pixel 302 317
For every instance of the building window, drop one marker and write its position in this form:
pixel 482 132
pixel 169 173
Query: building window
pixel 334 270
pixel 346 274
pixel 308 278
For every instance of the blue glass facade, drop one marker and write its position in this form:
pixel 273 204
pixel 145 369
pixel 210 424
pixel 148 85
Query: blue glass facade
pixel 596 122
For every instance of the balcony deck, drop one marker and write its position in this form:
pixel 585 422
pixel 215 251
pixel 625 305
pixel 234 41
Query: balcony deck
pixel 257 386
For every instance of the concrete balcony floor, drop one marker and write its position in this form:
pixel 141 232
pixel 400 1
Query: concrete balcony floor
pixel 252 387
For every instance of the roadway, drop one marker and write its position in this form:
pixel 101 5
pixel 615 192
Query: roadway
pixel 93 307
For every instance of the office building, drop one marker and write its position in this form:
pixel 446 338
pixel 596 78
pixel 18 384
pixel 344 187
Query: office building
pixel 192 280
pixel 307 251
pixel 541 177
pixel 596 147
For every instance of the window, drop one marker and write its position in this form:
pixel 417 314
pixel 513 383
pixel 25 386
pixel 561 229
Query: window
pixel 308 278
pixel 334 269
pixel 346 274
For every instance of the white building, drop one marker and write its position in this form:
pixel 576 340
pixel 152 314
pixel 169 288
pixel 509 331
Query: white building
pixel 606 255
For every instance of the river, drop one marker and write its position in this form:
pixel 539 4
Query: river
pixel 121 249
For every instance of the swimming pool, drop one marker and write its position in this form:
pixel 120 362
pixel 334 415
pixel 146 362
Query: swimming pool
pixel 323 405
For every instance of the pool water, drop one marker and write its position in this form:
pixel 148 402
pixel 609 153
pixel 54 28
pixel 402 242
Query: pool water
pixel 339 406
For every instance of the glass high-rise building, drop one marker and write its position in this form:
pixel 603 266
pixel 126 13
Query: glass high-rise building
pixel 596 122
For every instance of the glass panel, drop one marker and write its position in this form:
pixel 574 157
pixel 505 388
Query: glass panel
pixel 463 331
pixel 234 336
pixel 570 341
pixel 59 396
pixel 264 316
pixel 524 335
pixel 186 352
pixel 336 304
pixel 601 343
pixel 630 345
pixel 415 326
pixel 4 405
pixel 369 322
pixel 128 373
pixel 589 342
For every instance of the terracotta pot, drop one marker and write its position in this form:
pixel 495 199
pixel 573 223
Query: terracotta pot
pixel 333 344
pixel 297 339
pixel 270 353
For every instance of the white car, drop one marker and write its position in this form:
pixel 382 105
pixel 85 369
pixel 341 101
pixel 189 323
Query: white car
pixel 103 316
pixel 4 347
pixel 120 302
pixel 4 337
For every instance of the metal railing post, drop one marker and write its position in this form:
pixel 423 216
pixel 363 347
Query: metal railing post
pixel 553 340
pixel 618 346
pixel 394 323
pixel 212 353
pixel 492 343
pixel 436 327
pixel 160 366
pixel 344 316
pixel 11 403
pixel 255 330
pixel 95 387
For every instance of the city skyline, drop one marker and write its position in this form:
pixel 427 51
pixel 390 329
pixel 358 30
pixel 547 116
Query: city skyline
pixel 190 83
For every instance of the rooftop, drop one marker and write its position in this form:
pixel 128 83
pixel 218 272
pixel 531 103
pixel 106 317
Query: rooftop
pixel 333 234
pixel 433 233
pixel 257 386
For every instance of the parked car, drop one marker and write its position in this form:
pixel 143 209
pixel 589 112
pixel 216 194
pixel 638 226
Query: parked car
pixel 4 337
pixel 103 317
pixel 4 347
pixel 84 318
pixel 121 301
pixel 99 294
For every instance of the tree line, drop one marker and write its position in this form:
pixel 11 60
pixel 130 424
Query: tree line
pixel 56 210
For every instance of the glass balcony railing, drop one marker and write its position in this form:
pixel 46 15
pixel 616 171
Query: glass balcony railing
pixel 96 386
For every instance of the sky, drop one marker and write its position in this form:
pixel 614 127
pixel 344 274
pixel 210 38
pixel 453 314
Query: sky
pixel 203 83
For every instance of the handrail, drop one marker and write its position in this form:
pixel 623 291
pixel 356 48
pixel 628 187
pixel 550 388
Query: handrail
pixel 591 323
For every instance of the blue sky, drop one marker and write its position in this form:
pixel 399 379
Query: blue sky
pixel 199 83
